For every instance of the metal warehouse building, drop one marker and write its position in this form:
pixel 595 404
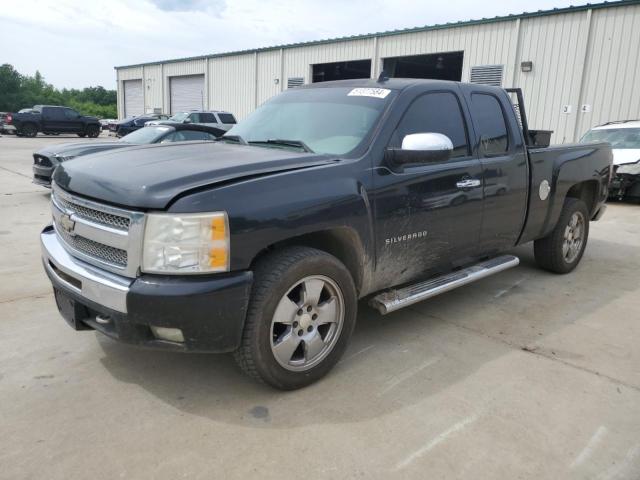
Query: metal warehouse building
pixel 578 66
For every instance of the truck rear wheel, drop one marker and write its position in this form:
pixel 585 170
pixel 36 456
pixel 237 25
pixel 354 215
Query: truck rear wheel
pixel 29 130
pixel 300 317
pixel 562 249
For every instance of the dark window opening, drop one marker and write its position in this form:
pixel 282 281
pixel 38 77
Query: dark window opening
pixel 437 112
pixel 490 124
pixel 438 66
pixel 324 72
pixel 207 118
pixel 227 118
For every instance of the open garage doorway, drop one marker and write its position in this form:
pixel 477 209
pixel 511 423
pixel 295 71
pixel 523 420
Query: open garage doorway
pixel 324 72
pixel 439 66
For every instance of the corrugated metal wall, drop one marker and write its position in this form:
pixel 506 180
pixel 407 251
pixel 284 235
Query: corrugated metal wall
pixel 587 57
pixel 232 84
pixel 612 72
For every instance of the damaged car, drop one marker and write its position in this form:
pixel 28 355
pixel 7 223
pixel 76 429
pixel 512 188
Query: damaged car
pixel 624 137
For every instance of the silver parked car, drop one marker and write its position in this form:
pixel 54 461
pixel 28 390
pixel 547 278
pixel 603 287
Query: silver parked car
pixel 211 118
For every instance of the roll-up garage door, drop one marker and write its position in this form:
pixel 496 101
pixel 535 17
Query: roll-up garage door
pixel 187 93
pixel 133 98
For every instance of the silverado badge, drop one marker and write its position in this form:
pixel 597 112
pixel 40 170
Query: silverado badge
pixel 405 238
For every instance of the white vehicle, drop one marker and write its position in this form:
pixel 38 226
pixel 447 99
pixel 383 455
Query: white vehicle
pixel 212 118
pixel 624 137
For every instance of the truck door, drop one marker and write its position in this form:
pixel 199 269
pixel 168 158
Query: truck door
pixel 428 215
pixel 73 121
pixel 504 168
pixel 53 119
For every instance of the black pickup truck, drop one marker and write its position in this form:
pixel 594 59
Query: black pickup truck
pixel 53 119
pixel 262 243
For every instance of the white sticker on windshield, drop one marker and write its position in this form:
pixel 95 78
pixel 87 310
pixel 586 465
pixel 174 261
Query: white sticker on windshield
pixel 369 92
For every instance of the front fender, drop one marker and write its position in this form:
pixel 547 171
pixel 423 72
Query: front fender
pixel 272 209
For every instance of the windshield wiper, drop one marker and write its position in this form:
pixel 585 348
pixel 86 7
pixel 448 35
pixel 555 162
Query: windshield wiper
pixel 233 138
pixel 288 143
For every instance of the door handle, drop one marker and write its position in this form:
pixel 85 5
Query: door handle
pixel 468 183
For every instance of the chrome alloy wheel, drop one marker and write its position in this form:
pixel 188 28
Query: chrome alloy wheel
pixel 307 322
pixel 573 237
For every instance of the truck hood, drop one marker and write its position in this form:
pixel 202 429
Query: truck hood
pixel 150 176
pixel 625 155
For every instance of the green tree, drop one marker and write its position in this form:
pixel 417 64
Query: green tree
pixel 10 88
pixel 23 91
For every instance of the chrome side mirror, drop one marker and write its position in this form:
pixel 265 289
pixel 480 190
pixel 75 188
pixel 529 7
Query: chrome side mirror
pixel 427 142
pixel 420 148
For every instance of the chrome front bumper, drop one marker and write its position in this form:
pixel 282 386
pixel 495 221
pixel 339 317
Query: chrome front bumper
pixel 99 286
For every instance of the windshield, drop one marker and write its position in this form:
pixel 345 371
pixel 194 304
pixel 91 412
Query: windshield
pixel 619 138
pixel 146 135
pixel 328 120
pixel 179 117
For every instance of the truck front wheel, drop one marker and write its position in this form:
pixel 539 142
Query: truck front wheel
pixel 562 249
pixel 300 317
pixel 93 131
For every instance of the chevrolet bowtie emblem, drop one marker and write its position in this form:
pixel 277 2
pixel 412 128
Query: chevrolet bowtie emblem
pixel 67 224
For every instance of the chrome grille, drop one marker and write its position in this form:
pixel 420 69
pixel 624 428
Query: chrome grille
pixel 106 236
pixel 115 256
pixel 98 216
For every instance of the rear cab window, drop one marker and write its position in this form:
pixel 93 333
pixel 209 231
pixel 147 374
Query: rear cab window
pixel 490 123
pixel 54 113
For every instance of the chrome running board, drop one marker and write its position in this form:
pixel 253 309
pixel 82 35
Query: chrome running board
pixel 392 300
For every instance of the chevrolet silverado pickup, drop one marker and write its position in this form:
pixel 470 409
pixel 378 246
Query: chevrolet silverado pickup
pixel 263 242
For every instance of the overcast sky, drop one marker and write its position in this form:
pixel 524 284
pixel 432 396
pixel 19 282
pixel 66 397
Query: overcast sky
pixel 76 43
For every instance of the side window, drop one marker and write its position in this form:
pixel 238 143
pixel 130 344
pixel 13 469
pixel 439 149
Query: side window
pixel 71 114
pixel 437 112
pixel 53 113
pixel 490 124
pixel 226 118
pixel 169 138
pixel 190 135
pixel 207 118
pixel 194 117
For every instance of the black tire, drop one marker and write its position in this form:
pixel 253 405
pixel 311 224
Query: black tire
pixel 29 130
pixel 82 135
pixel 93 131
pixel 549 252
pixel 274 276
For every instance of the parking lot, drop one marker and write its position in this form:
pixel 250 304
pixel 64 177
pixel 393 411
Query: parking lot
pixel 523 375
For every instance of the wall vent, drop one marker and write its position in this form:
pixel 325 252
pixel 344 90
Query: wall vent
pixel 294 82
pixel 487 75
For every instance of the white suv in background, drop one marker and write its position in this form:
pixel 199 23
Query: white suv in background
pixel 624 137
pixel 211 118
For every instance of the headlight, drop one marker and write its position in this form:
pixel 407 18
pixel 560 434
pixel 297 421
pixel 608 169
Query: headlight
pixel 186 243
pixel 64 159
